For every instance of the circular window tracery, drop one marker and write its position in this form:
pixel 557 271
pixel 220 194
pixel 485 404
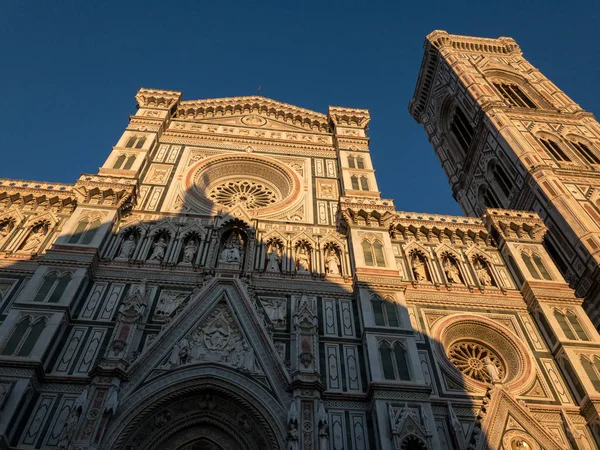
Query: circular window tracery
pixel 249 194
pixel 471 358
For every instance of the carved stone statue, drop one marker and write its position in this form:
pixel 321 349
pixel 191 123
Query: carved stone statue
pixel 158 250
pixel 418 268
pixel 273 261
pixel 302 259
pixel 483 274
pixel 34 240
pixel 5 229
pixel 232 252
pixel 491 369
pixel 332 263
pixel 293 421
pixel 452 272
pixel 128 247
pixel 180 353
pixel 323 426
pixel 112 402
pixel 189 252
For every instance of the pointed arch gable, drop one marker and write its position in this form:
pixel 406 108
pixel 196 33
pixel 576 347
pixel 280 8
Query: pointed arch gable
pixel 415 245
pixel 48 216
pixel 12 213
pixel 445 248
pixel 198 308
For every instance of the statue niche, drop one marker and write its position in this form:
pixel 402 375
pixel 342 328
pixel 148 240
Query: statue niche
pixel 159 247
pixel 274 255
pixel 128 245
pixel 332 260
pixel 232 249
pixel 303 253
pixel 189 249
pixel 483 271
pixel 35 238
pixel 451 269
pixel 420 271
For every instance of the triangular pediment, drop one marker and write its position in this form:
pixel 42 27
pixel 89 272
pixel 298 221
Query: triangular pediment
pixel 253 111
pixel 217 328
pixel 506 418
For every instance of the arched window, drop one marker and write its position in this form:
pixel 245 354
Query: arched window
pixel 130 162
pixel 15 338
pixel 384 312
pixel 462 130
pixel 394 361
pixel 576 326
pixel 131 142
pixel 530 266
pixel 501 179
pixel 354 180
pixel 535 265
pixel 588 154
pixel 539 264
pixel 351 162
pixel 24 337
pixel 60 288
pixel 513 95
pixel 368 253
pixel 487 198
pixel 360 163
pixel 53 287
pixel 385 352
pixel 554 149
pixel 592 373
pixel 377 305
pixel 373 253
pixel 32 337
pixel 364 183
pixel 119 162
pixel 85 231
pixel 140 142
pixel 390 313
pixel 47 286
pixel 401 362
pixel 379 257
pixel 564 326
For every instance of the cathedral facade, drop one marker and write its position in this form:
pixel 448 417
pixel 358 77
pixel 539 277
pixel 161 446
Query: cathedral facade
pixel 231 278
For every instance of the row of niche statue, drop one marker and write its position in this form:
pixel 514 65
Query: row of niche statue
pixel 158 249
pixel 302 263
pixel 453 275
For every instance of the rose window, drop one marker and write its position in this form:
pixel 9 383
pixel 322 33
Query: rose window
pixel 249 194
pixel 471 358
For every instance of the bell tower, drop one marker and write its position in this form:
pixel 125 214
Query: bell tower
pixel 507 137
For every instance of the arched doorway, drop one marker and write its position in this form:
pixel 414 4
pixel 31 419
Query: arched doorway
pixel 197 407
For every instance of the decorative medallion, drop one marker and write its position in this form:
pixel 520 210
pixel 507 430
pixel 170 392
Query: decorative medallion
pixel 254 121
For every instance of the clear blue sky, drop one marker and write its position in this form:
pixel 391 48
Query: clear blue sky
pixel 70 70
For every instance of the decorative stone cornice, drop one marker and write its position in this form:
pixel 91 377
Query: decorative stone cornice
pixel 155 98
pixel 104 190
pixel 221 107
pixel 41 194
pixel 450 228
pixel 516 226
pixel 349 117
pixel 367 211
pixel 500 46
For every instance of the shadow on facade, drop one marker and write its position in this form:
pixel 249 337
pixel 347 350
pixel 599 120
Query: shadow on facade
pixel 182 333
